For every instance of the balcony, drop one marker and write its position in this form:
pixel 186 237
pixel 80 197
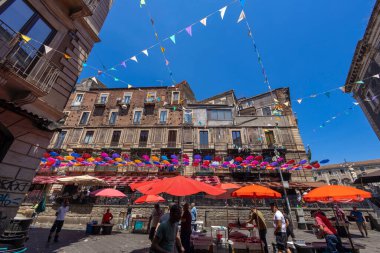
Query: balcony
pixel 150 101
pixel 27 72
pixel 73 8
pixel 100 103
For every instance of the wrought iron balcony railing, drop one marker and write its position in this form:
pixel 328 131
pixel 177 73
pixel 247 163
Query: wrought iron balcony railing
pixel 25 61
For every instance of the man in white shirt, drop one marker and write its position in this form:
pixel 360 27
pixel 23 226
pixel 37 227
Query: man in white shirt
pixel 58 223
pixel 279 225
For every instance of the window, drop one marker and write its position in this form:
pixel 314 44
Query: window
pixel 103 99
pixel 143 141
pixel 20 17
pixel 137 117
pixel 250 103
pixel 6 140
pixel 219 114
pixel 149 109
pixel 60 139
pixel 115 138
pixel 203 139
pixel 266 111
pixel 269 136
pixel 163 116
pixel 113 118
pixel 236 139
pixel 175 97
pixel 127 98
pixel 172 138
pixel 88 138
pixel 84 118
pixel 78 99
pixel 188 116
pixel 342 171
pixel 151 96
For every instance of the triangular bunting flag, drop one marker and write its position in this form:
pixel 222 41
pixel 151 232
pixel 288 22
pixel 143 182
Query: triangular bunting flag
pixel 156 34
pixel 133 58
pixel 94 79
pixel 223 11
pixel 342 88
pixel 84 64
pixel 25 38
pixel 359 82
pixel 356 103
pixel 163 49
pixel 275 100
pixel 241 17
pixel 152 21
pixel 204 21
pixel 113 69
pixel 145 52
pixel 47 49
pixel 173 38
pixel 124 64
pixel 129 86
pixel 166 62
pixel 376 76
pixel 67 56
pixel 333 117
pixel 313 96
pixel 189 31
pixel 116 79
pixel 142 2
pixel 299 100
pixel 99 72
pixel 286 103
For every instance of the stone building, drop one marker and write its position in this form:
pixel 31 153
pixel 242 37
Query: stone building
pixel 42 47
pixel 365 66
pixel 170 120
pixel 345 173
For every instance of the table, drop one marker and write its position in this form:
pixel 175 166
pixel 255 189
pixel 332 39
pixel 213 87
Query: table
pixel 236 227
pixel 202 242
pixel 315 247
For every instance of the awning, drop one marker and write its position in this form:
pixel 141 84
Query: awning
pixel 292 185
pixel 373 177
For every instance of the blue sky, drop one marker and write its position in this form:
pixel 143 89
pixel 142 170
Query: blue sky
pixel 305 45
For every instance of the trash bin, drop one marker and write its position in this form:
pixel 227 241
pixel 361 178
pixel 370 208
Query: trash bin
pixel 89 228
pixel 96 229
pixel 107 229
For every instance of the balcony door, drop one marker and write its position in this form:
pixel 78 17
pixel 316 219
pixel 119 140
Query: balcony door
pixel 172 138
pixel 269 136
pixel 203 139
pixel 143 141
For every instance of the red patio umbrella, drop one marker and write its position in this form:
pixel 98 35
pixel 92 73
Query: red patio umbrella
pixel 149 199
pixel 134 186
pixel 180 186
pixel 255 191
pixel 108 192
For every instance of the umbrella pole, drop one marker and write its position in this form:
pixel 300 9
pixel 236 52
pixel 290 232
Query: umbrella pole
pixel 348 232
pixel 257 225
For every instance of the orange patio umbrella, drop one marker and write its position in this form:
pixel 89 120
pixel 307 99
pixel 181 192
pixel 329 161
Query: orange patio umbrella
pixel 336 193
pixel 256 192
pixel 149 199
pixel 180 186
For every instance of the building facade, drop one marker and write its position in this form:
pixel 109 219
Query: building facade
pixel 366 66
pixel 43 45
pixel 345 173
pixel 170 120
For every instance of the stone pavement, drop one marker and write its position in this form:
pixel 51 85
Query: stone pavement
pixel 76 241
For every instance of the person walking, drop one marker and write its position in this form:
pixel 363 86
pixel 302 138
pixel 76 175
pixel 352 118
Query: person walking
pixel 166 239
pixel 153 220
pixel 279 225
pixel 128 217
pixel 326 230
pixel 289 224
pixel 360 221
pixel 257 216
pixel 58 223
pixel 186 228
pixel 194 214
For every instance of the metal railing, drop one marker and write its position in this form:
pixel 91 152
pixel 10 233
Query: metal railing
pixel 91 4
pixel 24 60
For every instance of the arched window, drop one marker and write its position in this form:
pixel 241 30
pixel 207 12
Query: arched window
pixel 333 182
pixel 6 139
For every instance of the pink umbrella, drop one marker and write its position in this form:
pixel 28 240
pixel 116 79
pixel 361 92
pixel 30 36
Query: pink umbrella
pixel 108 192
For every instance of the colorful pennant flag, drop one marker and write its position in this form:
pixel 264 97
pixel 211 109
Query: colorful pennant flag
pixel 204 21
pixel 242 16
pixel 313 95
pixel 67 56
pixel 376 76
pixel 47 49
pixel 25 38
pixel 129 86
pixel 189 30
pixel 299 100
pixel 286 103
pixel 134 58
pixel 113 69
pixel 342 88
pixel 223 11
pixel 163 49
pixel 172 38
pixel 94 79
pixel 356 103
pixel 99 72
pixel 156 34
pixel 166 62
pixel 116 79
pixel 145 52
pixel 124 64
pixel 275 100
pixel 359 82
pixel 84 64
pixel 142 2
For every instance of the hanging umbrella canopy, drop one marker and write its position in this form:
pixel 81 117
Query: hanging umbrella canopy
pixel 180 186
pixel 108 192
pixel 134 186
pixel 336 193
pixel 82 180
pixel 256 191
pixel 149 199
